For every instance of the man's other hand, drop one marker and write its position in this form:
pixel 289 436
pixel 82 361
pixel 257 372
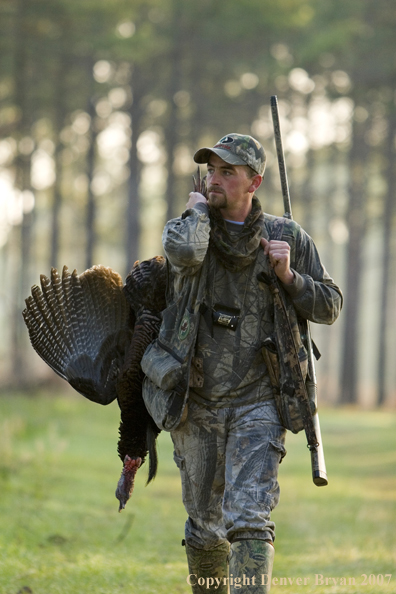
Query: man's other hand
pixel 195 197
pixel 278 253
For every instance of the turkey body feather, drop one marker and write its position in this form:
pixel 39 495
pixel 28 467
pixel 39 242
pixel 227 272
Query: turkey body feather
pixel 93 331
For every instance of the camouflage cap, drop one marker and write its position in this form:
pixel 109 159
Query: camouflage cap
pixel 236 149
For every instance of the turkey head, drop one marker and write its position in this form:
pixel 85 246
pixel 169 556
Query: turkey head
pixel 127 480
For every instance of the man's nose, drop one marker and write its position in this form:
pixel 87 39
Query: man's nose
pixel 214 178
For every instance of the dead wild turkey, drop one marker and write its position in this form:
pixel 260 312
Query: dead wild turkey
pixel 92 331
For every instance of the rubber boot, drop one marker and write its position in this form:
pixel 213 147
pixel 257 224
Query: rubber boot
pixel 250 568
pixel 209 567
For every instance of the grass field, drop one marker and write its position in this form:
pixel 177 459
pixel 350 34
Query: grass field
pixel 61 532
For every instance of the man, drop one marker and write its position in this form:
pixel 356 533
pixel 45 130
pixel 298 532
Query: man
pixel 230 441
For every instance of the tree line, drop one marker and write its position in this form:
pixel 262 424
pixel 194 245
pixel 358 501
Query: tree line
pixel 102 105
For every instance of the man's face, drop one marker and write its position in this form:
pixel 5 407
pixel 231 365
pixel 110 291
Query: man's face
pixel 227 185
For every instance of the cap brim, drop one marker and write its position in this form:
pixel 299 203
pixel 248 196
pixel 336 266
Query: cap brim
pixel 203 156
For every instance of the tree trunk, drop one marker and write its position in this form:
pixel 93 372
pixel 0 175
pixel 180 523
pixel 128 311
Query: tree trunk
pixel 356 225
pixel 60 109
pixel 91 205
pixel 22 182
pixel 171 132
pixel 133 210
pixel 389 211
pixel 328 337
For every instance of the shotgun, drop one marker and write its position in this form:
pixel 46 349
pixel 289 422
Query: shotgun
pixel 319 474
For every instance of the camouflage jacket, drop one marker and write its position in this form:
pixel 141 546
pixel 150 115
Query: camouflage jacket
pixel 314 296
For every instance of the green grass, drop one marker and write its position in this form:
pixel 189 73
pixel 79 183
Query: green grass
pixel 61 533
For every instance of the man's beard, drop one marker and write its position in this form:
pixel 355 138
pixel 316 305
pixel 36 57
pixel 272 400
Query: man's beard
pixel 216 200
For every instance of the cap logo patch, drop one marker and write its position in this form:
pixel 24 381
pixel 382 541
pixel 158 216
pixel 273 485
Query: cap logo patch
pixel 223 146
pixel 226 140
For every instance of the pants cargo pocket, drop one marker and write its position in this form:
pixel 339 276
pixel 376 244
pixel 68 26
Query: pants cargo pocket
pixel 280 448
pixel 268 490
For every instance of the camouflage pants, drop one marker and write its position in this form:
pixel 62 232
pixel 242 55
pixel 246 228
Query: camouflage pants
pixel 228 460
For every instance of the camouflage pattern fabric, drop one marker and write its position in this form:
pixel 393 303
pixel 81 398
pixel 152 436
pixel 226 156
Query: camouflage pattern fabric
pixel 211 566
pixel 233 369
pixel 288 365
pixel 185 240
pixel 314 295
pixel 167 361
pixel 236 250
pixel 228 460
pixel 236 149
pixel 251 564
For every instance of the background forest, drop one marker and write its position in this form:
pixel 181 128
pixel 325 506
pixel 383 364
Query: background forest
pixel 103 103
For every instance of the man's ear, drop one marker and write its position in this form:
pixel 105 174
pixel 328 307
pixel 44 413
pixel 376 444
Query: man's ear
pixel 255 183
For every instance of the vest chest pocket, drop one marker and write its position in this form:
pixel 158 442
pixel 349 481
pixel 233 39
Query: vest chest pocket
pixel 161 366
pixel 165 360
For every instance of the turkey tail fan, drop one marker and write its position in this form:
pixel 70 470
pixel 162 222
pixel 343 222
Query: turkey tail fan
pixel 78 325
pixel 43 331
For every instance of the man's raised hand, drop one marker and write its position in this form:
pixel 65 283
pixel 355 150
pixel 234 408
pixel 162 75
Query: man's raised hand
pixel 194 198
pixel 278 253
